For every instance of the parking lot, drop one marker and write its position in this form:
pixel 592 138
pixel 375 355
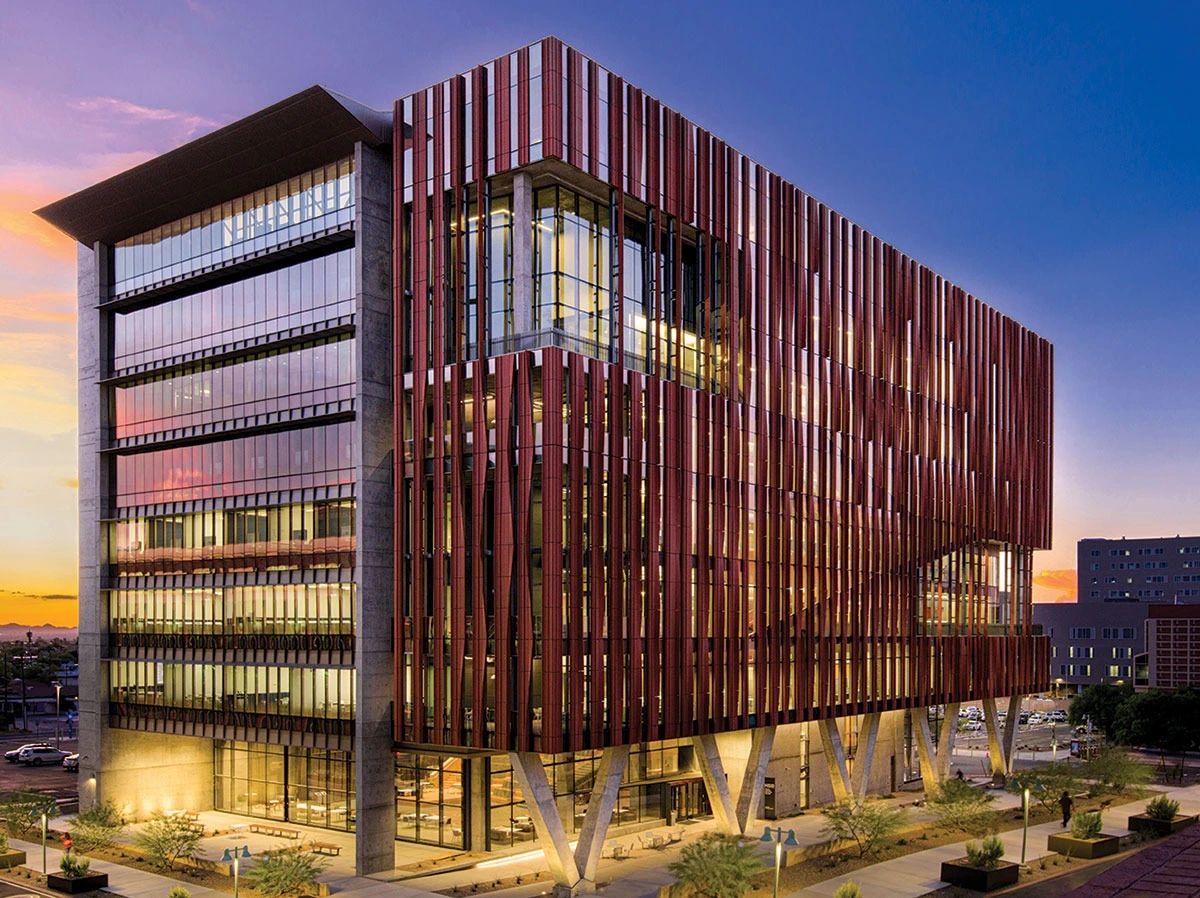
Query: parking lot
pixel 1036 730
pixel 49 779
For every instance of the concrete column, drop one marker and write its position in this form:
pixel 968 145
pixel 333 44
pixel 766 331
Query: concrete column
pixel 750 795
pixel 864 759
pixel 374 765
pixel 599 813
pixel 835 758
pixel 1002 745
pixel 924 740
pixel 94 359
pixel 946 739
pixel 522 254
pixel 539 798
pixel 716 782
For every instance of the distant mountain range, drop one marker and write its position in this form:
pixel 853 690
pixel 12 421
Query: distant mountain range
pixel 16 632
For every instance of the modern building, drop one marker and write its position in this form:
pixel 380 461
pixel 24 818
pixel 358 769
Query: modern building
pixel 1172 656
pixel 528 447
pixel 1096 638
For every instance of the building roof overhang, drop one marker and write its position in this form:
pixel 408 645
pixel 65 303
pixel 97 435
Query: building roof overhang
pixel 308 129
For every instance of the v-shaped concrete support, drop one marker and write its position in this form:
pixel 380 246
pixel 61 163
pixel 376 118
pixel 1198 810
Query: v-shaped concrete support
pixel 1002 744
pixel 576 869
pixel 722 770
pixel 835 759
pixel 935 765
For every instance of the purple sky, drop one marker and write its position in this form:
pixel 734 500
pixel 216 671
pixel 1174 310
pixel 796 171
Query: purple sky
pixel 1044 158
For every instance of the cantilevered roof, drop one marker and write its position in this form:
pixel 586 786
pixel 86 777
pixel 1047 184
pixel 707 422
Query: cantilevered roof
pixel 295 135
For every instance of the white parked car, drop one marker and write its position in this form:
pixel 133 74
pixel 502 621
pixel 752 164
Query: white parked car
pixel 41 754
pixel 71 762
pixel 11 756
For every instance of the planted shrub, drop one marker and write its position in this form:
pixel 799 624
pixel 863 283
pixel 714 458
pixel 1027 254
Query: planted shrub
pixel 98 827
pixel 73 865
pixel 179 892
pixel 960 806
pixel 286 873
pixel 3 841
pixel 1114 769
pixel 848 889
pixel 717 866
pixel 1162 808
pixel 1086 825
pixel 166 840
pixel 22 811
pixel 866 824
pixel 985 854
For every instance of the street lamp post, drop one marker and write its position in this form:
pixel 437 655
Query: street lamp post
pixel 775 834
pixel 238 852
pixel 1025 828
pixel 57 715
pixel 43 843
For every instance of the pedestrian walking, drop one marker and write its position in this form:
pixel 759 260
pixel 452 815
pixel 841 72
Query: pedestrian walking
pixel 1066 804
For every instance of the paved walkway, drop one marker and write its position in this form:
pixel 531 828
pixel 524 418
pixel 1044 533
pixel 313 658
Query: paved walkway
pixel 1170 867
pixel 640 876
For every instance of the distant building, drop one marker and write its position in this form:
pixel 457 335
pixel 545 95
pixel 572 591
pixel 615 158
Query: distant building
pixel 1172 656
pixel 1096 638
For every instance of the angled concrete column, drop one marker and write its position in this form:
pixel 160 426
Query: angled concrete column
pixel 1002 745
pixel 599 812
pixel 1010 729
pixel 750 794
pixel 716 782
pixel 835 758
pixel 864 758
pixel 919 718
pixel 539 797
pixel 522 236
pixel 945 747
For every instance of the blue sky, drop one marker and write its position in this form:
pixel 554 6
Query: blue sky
pixel 1043 157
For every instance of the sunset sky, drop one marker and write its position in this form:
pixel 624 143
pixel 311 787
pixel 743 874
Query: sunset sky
pixel 1045 158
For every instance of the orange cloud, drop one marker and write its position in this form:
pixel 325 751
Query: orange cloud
pixel 1050 587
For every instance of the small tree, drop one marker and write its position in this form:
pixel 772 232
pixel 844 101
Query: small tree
pixel 286 872
pixel 1113 769
pixel 867 824
pixel 22 811
pixel 1047 783
pixel 98 827
pixel 960 806
pixel 717 866
pixel 166 840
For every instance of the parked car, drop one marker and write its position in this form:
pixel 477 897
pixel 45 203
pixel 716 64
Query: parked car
pixel 11 756
pixel 972 726
pixel 71 762
pixel 41 754
pixel 1058 715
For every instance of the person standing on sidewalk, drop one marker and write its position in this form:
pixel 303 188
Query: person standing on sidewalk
pixel 1066 804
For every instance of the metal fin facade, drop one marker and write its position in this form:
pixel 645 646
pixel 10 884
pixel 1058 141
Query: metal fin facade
pixel 813 492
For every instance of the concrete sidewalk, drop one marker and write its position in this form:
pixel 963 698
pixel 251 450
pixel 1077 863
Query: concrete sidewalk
pixel 643 874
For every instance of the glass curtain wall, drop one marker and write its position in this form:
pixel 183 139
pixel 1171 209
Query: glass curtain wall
pixel 306 786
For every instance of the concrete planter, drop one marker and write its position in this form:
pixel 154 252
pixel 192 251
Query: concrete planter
pixel 1151 826
pixel 73 885
pixel 1088 849
pixel 11 858
pixel 982 879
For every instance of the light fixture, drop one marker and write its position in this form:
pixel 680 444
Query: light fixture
pixel 775 834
